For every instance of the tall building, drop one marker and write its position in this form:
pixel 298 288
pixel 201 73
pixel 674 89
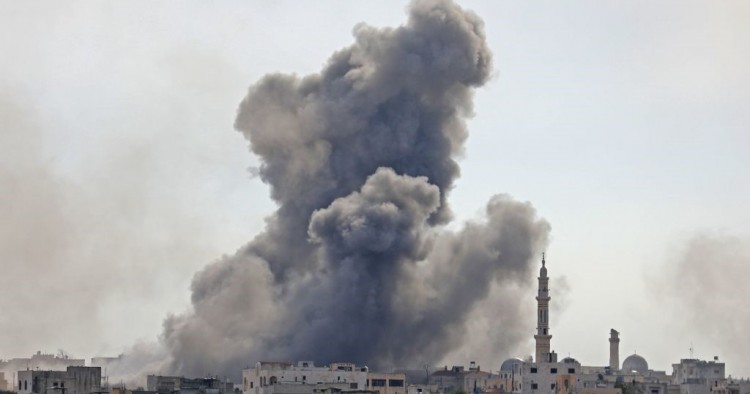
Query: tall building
pixel 543 336
pixel 614 350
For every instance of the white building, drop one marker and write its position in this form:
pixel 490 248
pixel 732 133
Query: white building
pixel 304 376
pixel 698 376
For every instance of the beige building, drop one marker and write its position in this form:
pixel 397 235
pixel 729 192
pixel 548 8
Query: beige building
pixel 386 383
pixel 4 382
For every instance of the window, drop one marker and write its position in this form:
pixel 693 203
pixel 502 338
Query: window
pixel 553 370
pixel 533 370
pixel 251 384
pixel 25 384
pixel 353 386
pixel 534 386
pixel 304 378
pixel 395 383
pixel 571 370
pixel 552 386
pixel 378 383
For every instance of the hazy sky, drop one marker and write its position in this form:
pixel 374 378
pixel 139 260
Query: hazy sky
pixel 625 124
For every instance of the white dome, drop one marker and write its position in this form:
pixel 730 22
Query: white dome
pixel 635 363
pixel 508 364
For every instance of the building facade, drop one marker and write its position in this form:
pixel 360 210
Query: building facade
pixel 181 385
pixel 386 383
pixel 74 380
pixel 303 376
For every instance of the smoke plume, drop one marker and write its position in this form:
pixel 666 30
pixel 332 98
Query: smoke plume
pixel 354 266
pixel 703 295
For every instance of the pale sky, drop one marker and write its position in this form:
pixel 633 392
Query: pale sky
pixel 624 123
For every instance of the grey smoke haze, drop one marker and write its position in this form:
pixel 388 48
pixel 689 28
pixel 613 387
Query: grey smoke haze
pixel 707 293
pixel 90 229
pixel 354 266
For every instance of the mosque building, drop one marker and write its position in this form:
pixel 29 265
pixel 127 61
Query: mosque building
pixel 544 374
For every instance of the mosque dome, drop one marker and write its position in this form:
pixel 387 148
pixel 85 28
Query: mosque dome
pixel 508 364
pixel 635 363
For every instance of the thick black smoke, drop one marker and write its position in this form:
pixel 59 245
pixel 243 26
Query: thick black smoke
pixel 360 159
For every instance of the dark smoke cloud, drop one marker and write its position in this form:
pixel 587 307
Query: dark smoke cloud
pixel 353 265
pixel 705 295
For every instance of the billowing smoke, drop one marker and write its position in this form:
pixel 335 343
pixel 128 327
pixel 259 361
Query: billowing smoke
pixel 354 266
pixel 704 296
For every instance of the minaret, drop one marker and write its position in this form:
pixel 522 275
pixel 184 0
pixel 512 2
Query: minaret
pixel 614 350
pixel 542 336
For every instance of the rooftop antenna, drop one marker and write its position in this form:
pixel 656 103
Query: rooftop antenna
pixel 692 351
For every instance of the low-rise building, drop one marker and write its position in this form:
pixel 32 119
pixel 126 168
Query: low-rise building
pixel 459 379
pixel 304 374
pixel 182 385
pixel 386 383
pixel 74 380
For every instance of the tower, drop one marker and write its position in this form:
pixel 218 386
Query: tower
pixel 614 350
pixel 543 336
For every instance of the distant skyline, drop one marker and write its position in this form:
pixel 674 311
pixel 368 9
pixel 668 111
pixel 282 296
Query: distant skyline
pixel 623 124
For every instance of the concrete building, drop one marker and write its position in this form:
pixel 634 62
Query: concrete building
pixel 472 380
pixel 510 375
pixel 182 385
pixel 447 380
pixel 305 376
pixel 386 383
pixel 4 385
pixel 74 380
pixel 698 376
